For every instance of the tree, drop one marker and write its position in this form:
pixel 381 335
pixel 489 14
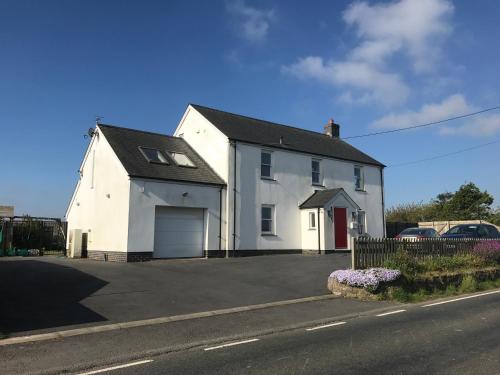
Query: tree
pixel 467 203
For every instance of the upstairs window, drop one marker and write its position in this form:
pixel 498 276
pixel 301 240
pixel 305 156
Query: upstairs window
pixel 316 172
pixel 265 164
pixel 181 159
pixel 359 181
pixel 153 155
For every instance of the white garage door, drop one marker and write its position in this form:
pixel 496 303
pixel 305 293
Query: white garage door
pixel 178 232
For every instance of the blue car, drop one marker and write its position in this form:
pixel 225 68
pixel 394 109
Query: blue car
pixel 472 231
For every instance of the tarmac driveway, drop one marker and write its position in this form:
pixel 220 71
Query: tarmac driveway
pixel 42 294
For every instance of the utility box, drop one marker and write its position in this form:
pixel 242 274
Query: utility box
pixel 75 243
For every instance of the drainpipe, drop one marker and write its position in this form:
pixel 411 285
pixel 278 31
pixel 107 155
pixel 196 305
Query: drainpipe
pixel 234 200
pixel 383 202
pixel 220 219
pixel 319 234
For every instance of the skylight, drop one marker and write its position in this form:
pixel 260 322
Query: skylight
pixel 181 159
pixel 153 155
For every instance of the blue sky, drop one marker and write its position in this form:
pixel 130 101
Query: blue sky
pixel 369 65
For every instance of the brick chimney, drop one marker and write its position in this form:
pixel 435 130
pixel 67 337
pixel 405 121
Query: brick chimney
pixel 332 129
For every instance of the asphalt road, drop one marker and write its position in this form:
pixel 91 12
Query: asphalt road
pixel 49 294
pixel 459 337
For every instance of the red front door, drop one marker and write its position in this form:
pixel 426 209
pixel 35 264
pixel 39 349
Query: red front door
pixel 340 225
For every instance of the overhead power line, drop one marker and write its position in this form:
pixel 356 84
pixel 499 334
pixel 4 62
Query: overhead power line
pixel 423 125
pixel 444 155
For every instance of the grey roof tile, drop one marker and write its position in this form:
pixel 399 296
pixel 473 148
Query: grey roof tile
pixel 320 197
pixel 126 142
pixel 261 132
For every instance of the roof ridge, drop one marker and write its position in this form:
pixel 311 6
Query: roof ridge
pixel 258 119
pixel 137 130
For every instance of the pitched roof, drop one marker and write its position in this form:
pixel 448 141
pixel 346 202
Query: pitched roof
pixel 251 130
pixel 321 197
pixel 126 142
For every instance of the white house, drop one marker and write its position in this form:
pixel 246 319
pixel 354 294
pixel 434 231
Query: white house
pixel 223 185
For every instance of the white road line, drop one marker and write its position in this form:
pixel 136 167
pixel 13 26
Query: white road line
pixel 117 367
pixel 461 298
pixel 325 326
pixel 391 312
pixel 230 344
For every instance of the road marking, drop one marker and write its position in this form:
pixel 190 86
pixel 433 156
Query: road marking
pixel 391 312
pixel 461 298
pixel 230 344
pixel 325 326
pixel 155 321
pixel 117 367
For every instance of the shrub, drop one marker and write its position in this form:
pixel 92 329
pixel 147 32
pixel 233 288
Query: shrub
pixel 488 250
pixel 369 279
pixel 404 262
pixel 468 285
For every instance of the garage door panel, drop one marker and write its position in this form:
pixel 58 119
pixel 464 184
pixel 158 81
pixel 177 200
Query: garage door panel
pixel 185 225
pixel 178 232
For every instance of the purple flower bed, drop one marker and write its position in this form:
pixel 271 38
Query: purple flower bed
pixel 489 250
pixel 369 279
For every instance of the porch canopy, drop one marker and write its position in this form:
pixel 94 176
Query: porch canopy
pixel 336 215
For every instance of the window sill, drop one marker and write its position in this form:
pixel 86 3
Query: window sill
pixel 312 229
pixel 361 190
pixel 267 178
pixel 318 185
pixel 268 235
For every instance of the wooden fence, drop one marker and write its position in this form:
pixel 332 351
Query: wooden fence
pixel 373 252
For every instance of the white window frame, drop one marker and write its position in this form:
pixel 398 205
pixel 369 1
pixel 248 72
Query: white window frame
pixel 361 178
pixel 312 220
pixel 163 159
pixel 320 173
pixel 361 223
pixel 272 220
pixel 270 165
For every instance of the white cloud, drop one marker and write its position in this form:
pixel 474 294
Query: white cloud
pixel 413 29
pixel 254 23
pixel 409 26
pixel 453 106
pixel 376 85
pixel 483 126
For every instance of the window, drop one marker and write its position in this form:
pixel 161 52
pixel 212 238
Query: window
pixel 361 222
pixel 359 182
pixel 153 155
pixel 312 220
pixel 265 164
pixel 493 231
pixel 316 172
pixel 267 222
pixel 181 159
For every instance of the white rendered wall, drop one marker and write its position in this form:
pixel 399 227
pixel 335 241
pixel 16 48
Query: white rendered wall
pixel 292 186
pixel 309 235
pixel 145 195
pixel 100 203
pixel 206 140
